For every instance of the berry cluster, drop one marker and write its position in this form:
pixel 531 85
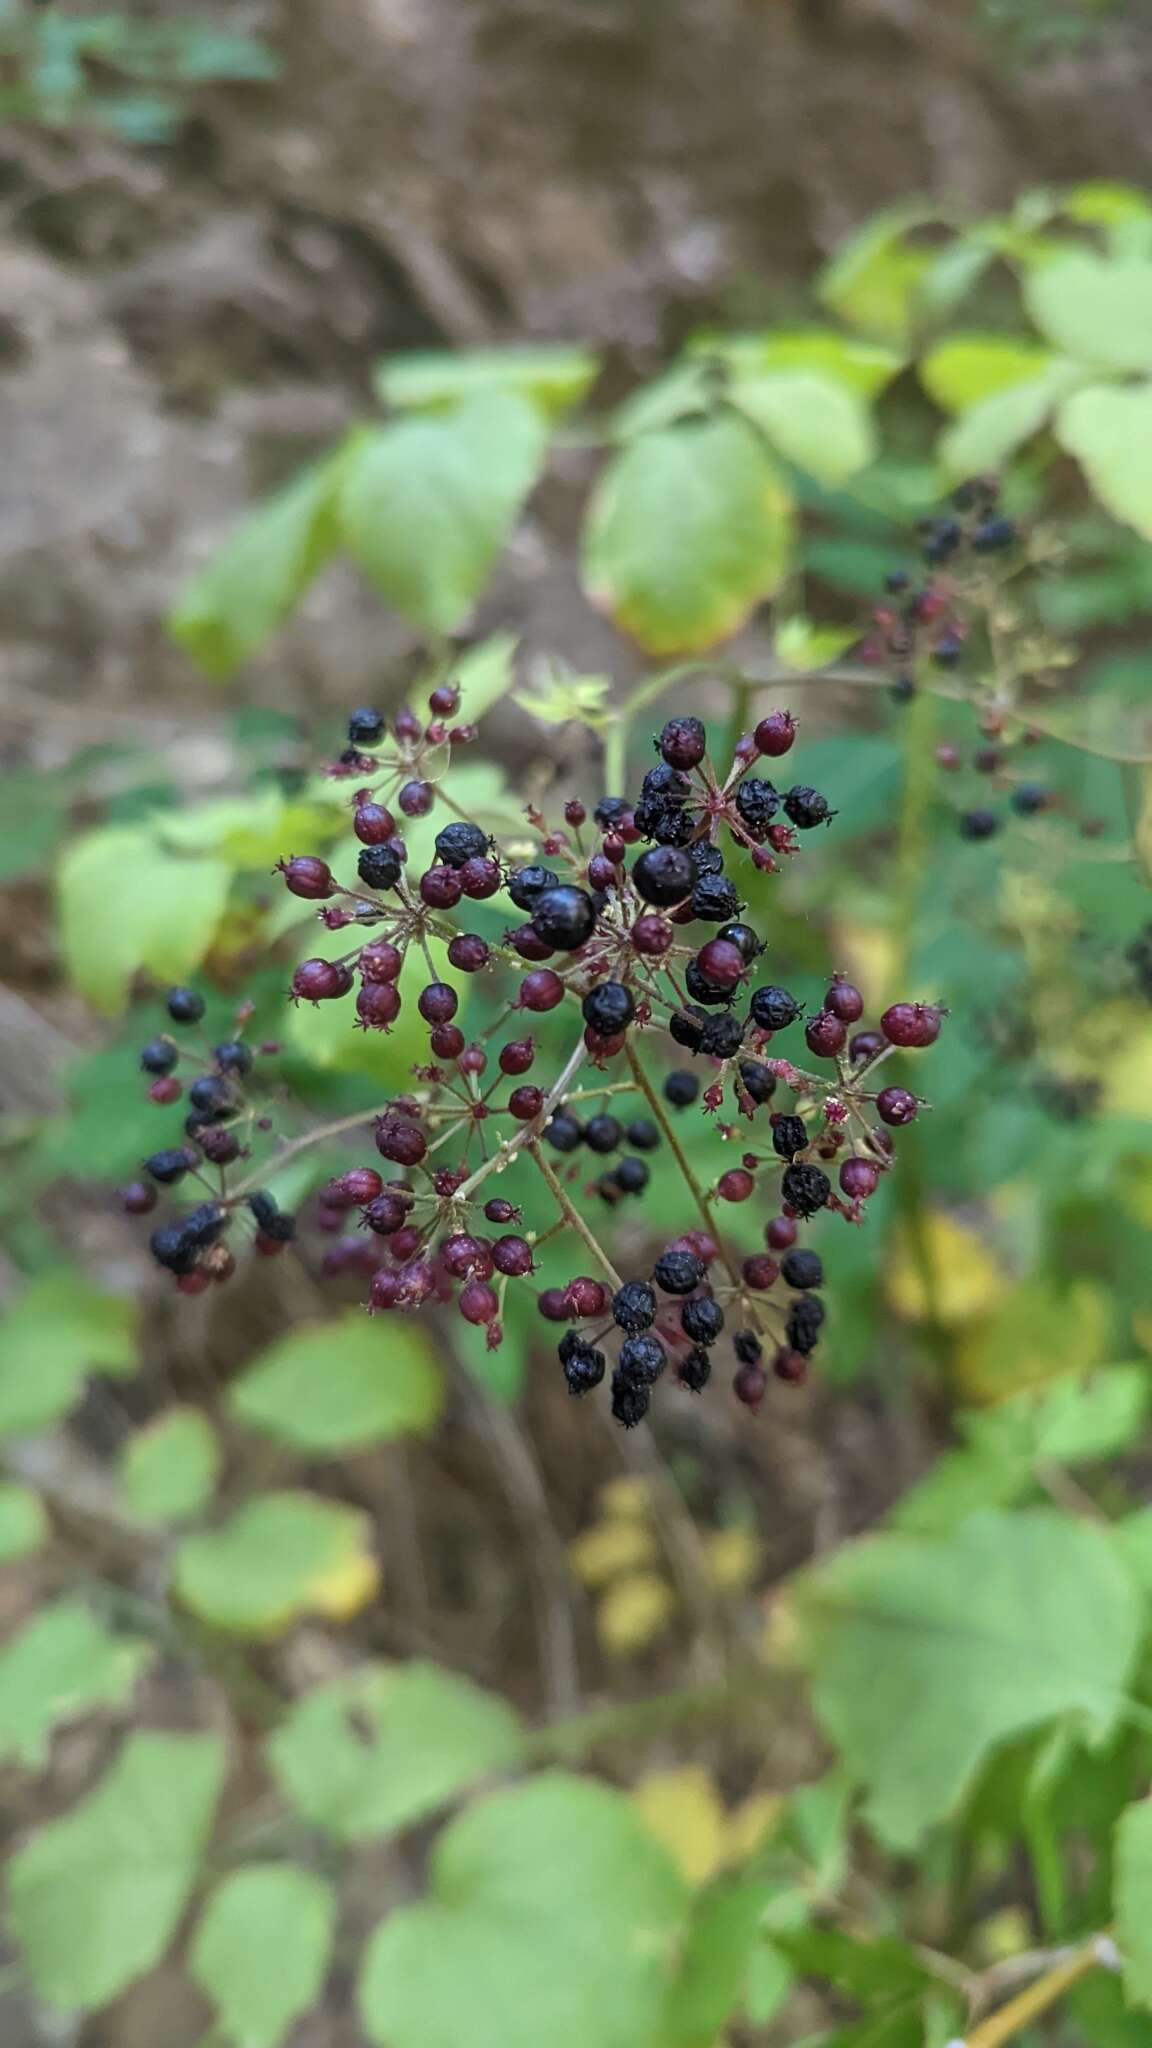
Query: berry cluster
pixel 608 911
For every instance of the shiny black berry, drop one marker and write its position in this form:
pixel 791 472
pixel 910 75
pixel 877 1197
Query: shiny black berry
pixel 773 1009
pixel 565 917
pixel 631 1176
pixel 634 1306
pixel 702 1320
pixel 365 727
pixel 747 942
pixel 159 1056
pixel 807 807
pixel 664 875
pixel 233 1056
pixel 608 1008
pixel 379 867
pixel 805 1319
pixel 169 1165
pixel 642 1359
pixel 459 842
pixel 678 1272
pixel 602 1133
pixel 707 858
pixel 563 1132
pixel 172 1249
pixel 803 1268
pixel 664 784
pixel 202 1226
pixel 805 1189
pixel 993 536
pixel 642 1134
pixel 681 1087
pixel 210 1095
pixel 789 1136
pixel 757 1080
pixel 630 1400
pixel 1030 798
pixel 528 884
pixel 685 1027
pixel 979 824
pixel 185 1006
pixel 702 989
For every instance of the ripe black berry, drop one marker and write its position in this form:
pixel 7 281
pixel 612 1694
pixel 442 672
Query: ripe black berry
pixel 773 1009
pixel 459 842
pixel 678 1272
pixel 707 858
pixel 630 1400
pixel 757 1080
pixel 602 1133
pixel 159 1056
pixel 642 1359
pixel 529 883
pixel 758 801
pixel 211 1096
pixel 631 1176
pixel 747 943
pixel 1030 798
pixel 172 1249
pixel 608 1008
pixel 634 1306
pixel 664 784
pixel 714 899
pixel 202 1226
pixel 803 1268
pixel 584 1368
pixel 233 1056
pixel 702 988
pixel 642 1134
pixel 365 727
pixel 805 1318
pixel 993 536
pixel 563 1132
pixel 664 875
pixel 683 742
pixel 747 1346
pixel 685 1027
pixel 702 1320
pixel 565 917
pixel 379 867
pixel 169 1165
pixel 805 1189
pixel 611 810
pixel 681 1088
pixel 979 824
pixel 695 1370
pixel 721 1037
pixel 807 807
pixel 185 1006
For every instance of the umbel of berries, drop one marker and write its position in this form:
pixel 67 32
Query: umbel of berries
pixel 580 999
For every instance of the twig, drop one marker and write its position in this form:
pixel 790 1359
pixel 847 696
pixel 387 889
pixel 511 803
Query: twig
pixel 1065 1972
pixel 678 1153
pixel 572 1216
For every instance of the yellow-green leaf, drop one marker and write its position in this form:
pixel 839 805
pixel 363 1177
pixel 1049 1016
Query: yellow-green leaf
pixel 1109 431
pixel 261 1949
pixel 280 1556
pixel 339 1386
pixel 59 1330
pixel 689 529
pixel 553 376
pixel 64 1662
pixel 1133 1894
pixel 126 904
pixel 823 427
pixel 169 1468
pixel 864 366
pixel 23 1522
pixel 966 368
pixel 1096 308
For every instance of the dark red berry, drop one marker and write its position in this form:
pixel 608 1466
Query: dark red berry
pixel 498 1210
pixel 525 1103
pixel 379 961
pixel 480 878
pixel 864 1045
pixel 651 934
pixel 601 872
pixel 586 1297
pixel 896 1105
pixel 306 875
pixel 438 1003
pixel 858 1178
pixel 386 1212
pixel 317 981
pixel 531 944
pixel 446 1041
pixel 377 1004
pixel 440 888
pixel 553 1305
pixel 683 742
pixel 406 1241
pixel 401 1142
pixel 541 990
pixel 473 1059
pixel 352 1189
pixel 845 1001
pixel 137 1198
pixel 444 699
pixel 759 1271
pixel 736 1185
pixel 165 1089
pixel 750 1385
pixel 512 1256
pixel 824 1034
pixel 373 823
pixel 219 1145
pixel 517 1056
pixel 468 952
pixel 720 963
pixel 791 1367
pixel 774 735
pixel 780 1233
pixel 912 1024
pixel 466 1257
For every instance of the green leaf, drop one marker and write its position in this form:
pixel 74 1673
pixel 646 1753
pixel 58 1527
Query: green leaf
pixel 169 1469
pixel 382 1748
pixel 550 376
pixel 863 366
pixel 428 503
pixel 686 388
pixel 866 1969
pixel 280 1556
pixel 1109 431
pixel 1104 202
pixel 63 1663
pixel 1095 308
pixel 31 813
pixel 261 1950
pixel 95 1896
pixel 339 1386
pixel 60 1330
pixel 873 281
pixel 966 368
pixel 989 432
pixel 247 591
pixel 557 697
pixel 1133 1900
pixel 23 1522
pixel 688 530
pixel 821 426
pixel 126 904
pixel 928 1652
pixel 551 1919
pixel 724 1938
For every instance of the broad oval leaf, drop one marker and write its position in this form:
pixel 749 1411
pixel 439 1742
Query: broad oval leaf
pixel 126 904
pixel 261 1949
pixel 94 1898
pixel 64 1662
pixel 59 1330
pixel 1109 431
pixel 991 430
pixel 820 425
pixel 23 1522
pixel 1096 308
pixel 280 1556
pixel 928 1652
pixel 865 366
pixel 552 1918
pixel 1133 1897
pixel 382 1748
pixel 338 1386
pixel 427 503
pixel 169 1468
pixel 552 376
pixel 688 530
pixel 966 368
pixel 873 281
pixel 248 589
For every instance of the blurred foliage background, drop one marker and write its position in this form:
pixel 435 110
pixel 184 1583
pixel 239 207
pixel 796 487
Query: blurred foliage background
pixel 270 1611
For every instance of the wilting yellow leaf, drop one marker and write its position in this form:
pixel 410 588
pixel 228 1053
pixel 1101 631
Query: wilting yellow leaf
pixel 948 1274
pixel 683 1809
pixel 624 1497
pixel 732 1557
pixel 607 1549
pixel 1035 1333
pixel 346 1588
pixel 633 1612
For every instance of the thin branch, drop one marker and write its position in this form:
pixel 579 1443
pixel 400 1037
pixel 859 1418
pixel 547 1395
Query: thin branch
pixel 572 1216
pixel 1029 2005
pixel 661 1117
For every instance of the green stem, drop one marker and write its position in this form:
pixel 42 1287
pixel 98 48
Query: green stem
pixel 573 1218
pixel 678 1153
